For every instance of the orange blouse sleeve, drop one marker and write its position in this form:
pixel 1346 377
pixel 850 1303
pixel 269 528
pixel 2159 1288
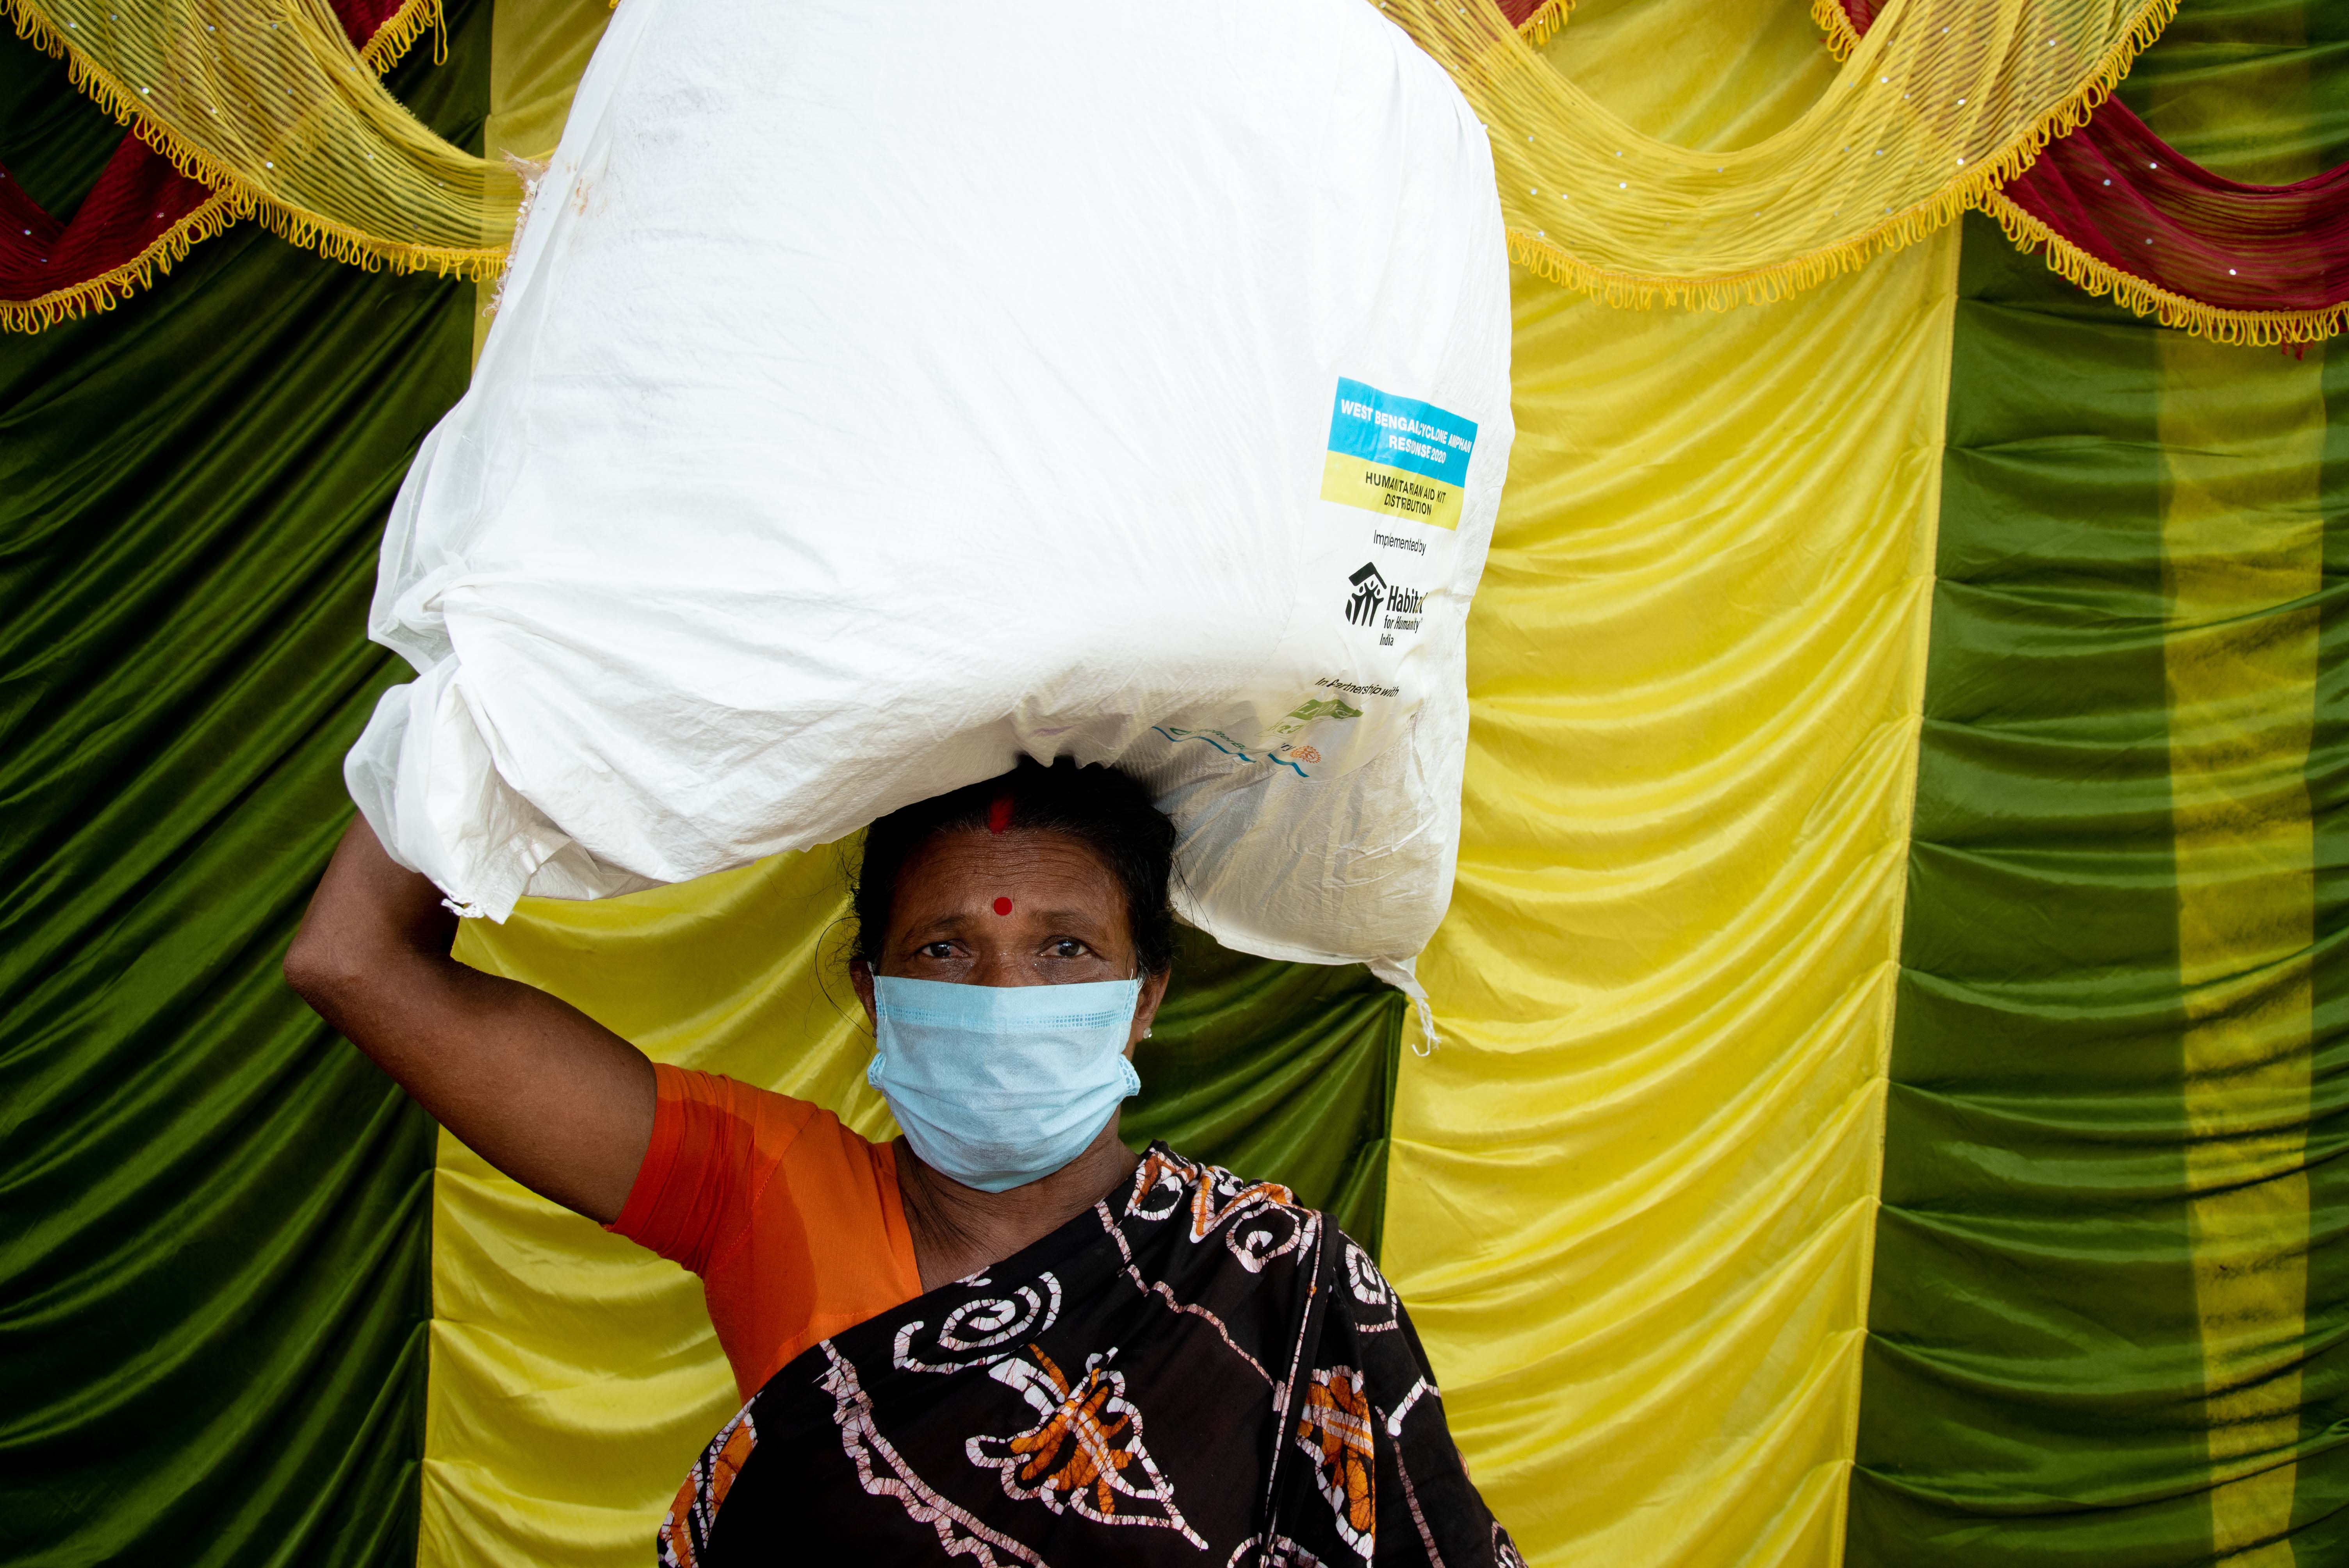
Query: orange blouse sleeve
pixel 714 1145
pixel 792 1221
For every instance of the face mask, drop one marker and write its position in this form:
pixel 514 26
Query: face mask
pixel 998 1085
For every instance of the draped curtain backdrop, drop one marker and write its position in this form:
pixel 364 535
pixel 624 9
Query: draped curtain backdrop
pixel 1892 1102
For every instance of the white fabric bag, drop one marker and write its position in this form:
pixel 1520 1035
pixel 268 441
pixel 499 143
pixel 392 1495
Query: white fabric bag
pixel 879 395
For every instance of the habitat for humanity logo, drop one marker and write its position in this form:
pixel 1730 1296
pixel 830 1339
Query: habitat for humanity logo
pixel 1369 588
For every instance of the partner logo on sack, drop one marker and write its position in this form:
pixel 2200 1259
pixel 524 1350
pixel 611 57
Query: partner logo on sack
pixel 1396 456
pixel 1404 605
pixel 1313 708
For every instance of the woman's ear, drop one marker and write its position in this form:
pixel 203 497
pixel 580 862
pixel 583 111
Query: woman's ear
pixel 1145 1008
pixel 859 975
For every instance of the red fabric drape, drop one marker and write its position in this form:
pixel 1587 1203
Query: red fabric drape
pixel 2112 204
pixel 143 214
pixel 2115 208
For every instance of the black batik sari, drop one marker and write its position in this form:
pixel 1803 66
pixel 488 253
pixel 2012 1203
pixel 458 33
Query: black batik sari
pixel 1194 1371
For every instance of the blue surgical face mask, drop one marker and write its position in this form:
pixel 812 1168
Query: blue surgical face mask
pixel 997 1086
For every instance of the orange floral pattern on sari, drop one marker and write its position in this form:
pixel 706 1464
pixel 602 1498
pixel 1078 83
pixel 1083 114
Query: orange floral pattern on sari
pixel 1260 1221
pixel 1335 1430
pixel 1085 1452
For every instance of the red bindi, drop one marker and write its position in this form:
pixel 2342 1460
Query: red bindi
pixel 1003 906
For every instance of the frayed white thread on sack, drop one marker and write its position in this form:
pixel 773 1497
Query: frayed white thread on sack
pixel 1428 1039
pixel 1403 975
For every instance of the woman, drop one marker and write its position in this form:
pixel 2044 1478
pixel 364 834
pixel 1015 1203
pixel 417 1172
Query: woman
pixel 1004 1336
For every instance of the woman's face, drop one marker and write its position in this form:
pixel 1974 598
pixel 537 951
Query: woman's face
pixel 1017 908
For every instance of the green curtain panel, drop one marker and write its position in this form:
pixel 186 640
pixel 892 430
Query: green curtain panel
pixel 2106 1325
pixel 213 1215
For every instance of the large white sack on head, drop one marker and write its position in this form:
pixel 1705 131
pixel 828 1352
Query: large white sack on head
pixel 878 395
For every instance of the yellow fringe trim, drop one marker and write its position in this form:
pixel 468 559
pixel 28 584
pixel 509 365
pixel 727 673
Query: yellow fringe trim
pixel 1842 39
pixel 403 27
pixel 1780 280
pixel 335 240
pixel 215 212
pixel 2217 323
pixel 110 288
pixel 1544 25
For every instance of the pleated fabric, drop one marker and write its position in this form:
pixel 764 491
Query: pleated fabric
pixel 2097 1317
pixel 1631 1198
pixel 2109 1306
pixel 213 1243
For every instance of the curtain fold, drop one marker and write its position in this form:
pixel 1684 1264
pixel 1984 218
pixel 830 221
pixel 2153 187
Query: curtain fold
pixel 270 104
pixel 2119 212
pixel 213 1241
pixel 1631 1196
pixel 1942 101
pixel 2108 1324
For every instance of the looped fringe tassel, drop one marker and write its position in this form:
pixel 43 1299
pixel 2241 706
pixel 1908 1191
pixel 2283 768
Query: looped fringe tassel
pixel 1842 38
pixel 111 287
pixel 2218 323
pixel 1545 22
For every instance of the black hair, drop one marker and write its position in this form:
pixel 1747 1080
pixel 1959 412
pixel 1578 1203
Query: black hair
pixel 1102 806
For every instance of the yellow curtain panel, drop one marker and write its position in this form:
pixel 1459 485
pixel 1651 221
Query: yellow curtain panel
pixel 2243 543
pixel 1633 1197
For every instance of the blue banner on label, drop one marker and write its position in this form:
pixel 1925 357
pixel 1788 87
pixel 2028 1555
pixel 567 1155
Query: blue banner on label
pixel 1397 455
pixel 1400 432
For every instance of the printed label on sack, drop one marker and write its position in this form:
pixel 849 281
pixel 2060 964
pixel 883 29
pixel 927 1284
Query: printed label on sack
pixel 1397 456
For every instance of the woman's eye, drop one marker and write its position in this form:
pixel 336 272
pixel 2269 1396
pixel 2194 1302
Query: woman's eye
pixel 1067 947
pixel 938 950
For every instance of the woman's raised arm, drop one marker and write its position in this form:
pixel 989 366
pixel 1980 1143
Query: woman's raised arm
pixel 534 1085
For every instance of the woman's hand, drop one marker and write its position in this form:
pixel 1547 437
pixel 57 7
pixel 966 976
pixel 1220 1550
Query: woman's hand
pixel 535 1087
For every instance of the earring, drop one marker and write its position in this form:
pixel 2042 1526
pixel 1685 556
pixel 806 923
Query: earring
pixel 1145 1034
